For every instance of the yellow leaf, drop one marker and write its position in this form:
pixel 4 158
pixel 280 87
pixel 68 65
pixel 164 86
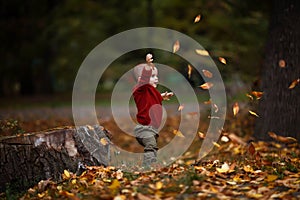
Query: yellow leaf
pixel 178 133
pixel 202 52
pixel 180 107
pixel 206 86
pixel 223 60
pixel 216 144
pixel 197 18
pixel 249 96
pixel 67 174
pixel 201 135
pixel 115 185
pixel 271 178
pixel 176 46
pixel 207 73
pixel 189 71
pixel 253 113
pixel 235 109
pixel 248 168
pixel 103 141
pixel 282 63
pixel 294 83
pixel 158 185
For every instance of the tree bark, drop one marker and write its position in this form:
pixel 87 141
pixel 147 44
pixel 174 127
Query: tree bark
pixel 29 158
pixel 279 107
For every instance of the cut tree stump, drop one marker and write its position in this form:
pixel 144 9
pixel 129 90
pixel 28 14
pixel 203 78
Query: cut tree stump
pixel 28 158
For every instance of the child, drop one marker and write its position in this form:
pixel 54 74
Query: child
pixel 149 108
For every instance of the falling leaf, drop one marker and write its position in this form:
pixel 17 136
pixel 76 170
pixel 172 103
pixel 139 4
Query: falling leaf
pixel 249 96
pixel 281 138
pixel 207 73
pixel 201 135
pixel 282 63
pixel 103 141
pixel 235 108
pixel 257 94
pixel 207 102
pixel 253 113
pixel 294 83
pixel 176 46
pixel 180 108
pixel 206 86
pixel 223 60
pixel 202 52
pixel 225 168
pixel 178 133
pixel 197 18
pixel 215 107
pixel 189 71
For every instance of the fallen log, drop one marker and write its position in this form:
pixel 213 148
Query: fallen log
pixel 28 158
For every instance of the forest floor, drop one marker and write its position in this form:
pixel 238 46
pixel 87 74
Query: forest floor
pixel 237 167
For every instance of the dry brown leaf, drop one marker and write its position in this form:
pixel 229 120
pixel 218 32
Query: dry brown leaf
pixel 223 60
pixel 202 52
pixel 235 108
pixel 207 73
pixel 143 197
pixel 253 113
pixel 206 86
pixel 294 83
pixel 251 149
pixel 189 71
pixel 257 94
pixel 176 46
pixel 281 138
pixel 197 18
pixel 282 63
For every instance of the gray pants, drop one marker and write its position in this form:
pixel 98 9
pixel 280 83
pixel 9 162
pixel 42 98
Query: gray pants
pixel 147 137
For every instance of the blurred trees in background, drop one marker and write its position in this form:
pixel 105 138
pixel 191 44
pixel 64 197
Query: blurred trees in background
pixel 44 42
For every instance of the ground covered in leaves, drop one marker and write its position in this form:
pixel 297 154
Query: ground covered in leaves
pixel 234 170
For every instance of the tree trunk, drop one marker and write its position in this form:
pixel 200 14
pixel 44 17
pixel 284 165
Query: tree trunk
pixel 29 158
pixel 279 107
